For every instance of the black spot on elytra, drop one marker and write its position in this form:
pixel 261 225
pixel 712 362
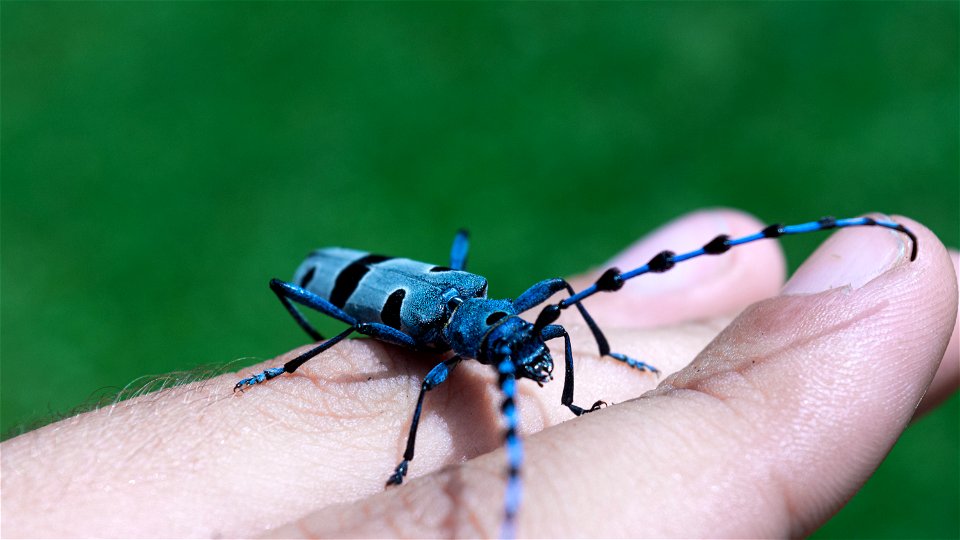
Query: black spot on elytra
pixel 348 278
pixel 308 277
pixel 390 314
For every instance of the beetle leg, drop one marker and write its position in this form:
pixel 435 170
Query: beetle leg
pixel 542 291
pixel 437 375
pixel 288 291
pixel 292 365
pixel 566 399
pixel 458 253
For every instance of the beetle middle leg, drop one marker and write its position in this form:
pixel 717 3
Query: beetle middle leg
pixel 458 252
pixel 437 375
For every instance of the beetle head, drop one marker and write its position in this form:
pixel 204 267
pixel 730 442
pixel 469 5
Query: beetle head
pixel 516 339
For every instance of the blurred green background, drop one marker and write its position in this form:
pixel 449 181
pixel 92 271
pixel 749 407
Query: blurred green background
pixel 161 161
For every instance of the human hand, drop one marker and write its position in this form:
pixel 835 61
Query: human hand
pixel 770 429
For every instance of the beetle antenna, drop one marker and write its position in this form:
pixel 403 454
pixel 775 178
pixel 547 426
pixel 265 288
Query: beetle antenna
pixel 613 279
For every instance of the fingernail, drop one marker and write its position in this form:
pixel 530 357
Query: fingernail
pixel 851 257
pixel 684 234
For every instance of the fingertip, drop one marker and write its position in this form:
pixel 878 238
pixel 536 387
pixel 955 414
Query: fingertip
pixel 852 257
pixel 828 380
pixel 947 378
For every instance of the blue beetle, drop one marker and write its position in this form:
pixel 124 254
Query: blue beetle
pixel 445 310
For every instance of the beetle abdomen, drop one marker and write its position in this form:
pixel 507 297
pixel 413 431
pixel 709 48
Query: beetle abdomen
pixel 404 294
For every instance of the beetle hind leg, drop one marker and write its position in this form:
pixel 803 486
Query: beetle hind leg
pixel 264 375
pixel 289 292
pixel 292 365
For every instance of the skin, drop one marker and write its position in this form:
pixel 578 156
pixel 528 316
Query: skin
pixel 776 403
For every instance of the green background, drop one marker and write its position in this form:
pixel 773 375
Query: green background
pixel 161 161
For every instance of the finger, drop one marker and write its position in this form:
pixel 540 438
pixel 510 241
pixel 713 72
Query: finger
pixel 773 427
pixel 699 289
pixel 198 460
pixel 947 379
pixel 331 433
pixel 236 464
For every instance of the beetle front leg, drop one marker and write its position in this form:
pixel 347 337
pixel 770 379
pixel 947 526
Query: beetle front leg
pixel 542 291
pixel 566 399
